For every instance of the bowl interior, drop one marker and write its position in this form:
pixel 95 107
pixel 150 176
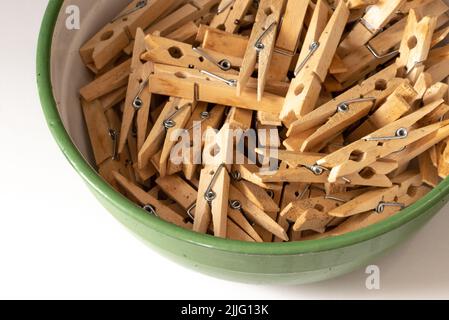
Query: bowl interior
pixel 68 75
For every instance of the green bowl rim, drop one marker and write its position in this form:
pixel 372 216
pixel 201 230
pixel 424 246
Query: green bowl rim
pixel 138 216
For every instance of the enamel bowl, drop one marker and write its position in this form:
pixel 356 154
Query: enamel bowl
pixel 61 73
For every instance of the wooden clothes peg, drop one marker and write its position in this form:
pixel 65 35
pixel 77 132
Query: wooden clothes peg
pixel 107 83
pixel 248 172
pixel 113 98
pixel 358 4
pixel 180 13
pixel 152 204
pixel 288 39
pixel 170 52
pixel 213 190
pixel 404 189
pixel 383 142
pixel 103 138
pixel 415 45
pixel 385 46
pixel 257 215
pixel 366 202
pixel 376 17
pixel 115 163
pixel 422 145
pixel 290 193
pixel 201 119
pixel 305 88
pixel 138 97
pixel 174 130
pixel 429 172
pixel 437 64
pixel 396 105
pixel 236 218
pixel 312 213
pixel 186 33
pixel 174 115
pixel 218 88
pixel 347 108
pixel 366 219
pixel 108 43
pixel 256 195
pixel 316 26
pixel 240 118
pixel 304 169
pixel 320 115
pixel 215 40
pixel 238 228
pixel 230 14
pixel 192 10
pixel 261 45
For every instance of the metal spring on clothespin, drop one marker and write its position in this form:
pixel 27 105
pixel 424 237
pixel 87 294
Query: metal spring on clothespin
pixel 229 82
pixel 344 106
pixel 210 194
pixel 139 5
pixel 137 102
pixel 224 64
pixel 312 49
pixel 259 45
pixel 401 133
pixel 149 208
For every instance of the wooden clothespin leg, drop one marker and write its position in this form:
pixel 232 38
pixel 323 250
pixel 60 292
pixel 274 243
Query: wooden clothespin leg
pixel 288 39
pixel 261 45
pixel 375 18
pixel 151 204
pixel 174 108
pixel 230 14
pixel 201 119
pixel 138 97
pixel 213 191
pixel 306 87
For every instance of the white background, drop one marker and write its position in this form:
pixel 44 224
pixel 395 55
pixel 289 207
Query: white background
pixel 56 241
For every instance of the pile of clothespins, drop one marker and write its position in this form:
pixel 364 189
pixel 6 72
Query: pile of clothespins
pixel 341 106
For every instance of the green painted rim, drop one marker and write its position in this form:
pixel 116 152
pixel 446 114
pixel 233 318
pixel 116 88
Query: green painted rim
pixel 139 216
